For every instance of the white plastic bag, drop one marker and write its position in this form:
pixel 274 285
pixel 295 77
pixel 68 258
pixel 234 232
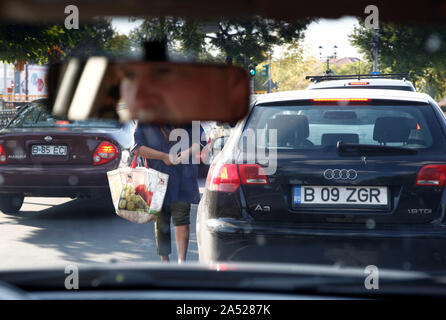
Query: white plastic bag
pixel 137 192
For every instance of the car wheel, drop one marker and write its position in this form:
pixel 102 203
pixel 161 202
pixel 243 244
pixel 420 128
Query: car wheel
pixel 11 203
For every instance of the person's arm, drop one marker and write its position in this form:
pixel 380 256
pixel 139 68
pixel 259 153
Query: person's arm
pixel 146 152
pixel 150 153
pixel 184 156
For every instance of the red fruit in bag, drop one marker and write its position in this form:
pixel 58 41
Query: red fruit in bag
pixel 141 190
pixel 148 197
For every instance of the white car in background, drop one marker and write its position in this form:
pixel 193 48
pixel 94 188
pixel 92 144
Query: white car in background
pixel 363 81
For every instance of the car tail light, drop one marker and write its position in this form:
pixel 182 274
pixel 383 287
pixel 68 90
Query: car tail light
pixel 104 153
pixel 2 155
pixel 226 177
pixel 223 178
pixel 252 174
pixel 341 99
pixel 432 175
pixel 358 83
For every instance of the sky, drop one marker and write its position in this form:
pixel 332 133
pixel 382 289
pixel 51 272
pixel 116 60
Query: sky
pixel 326 33
pixel 124 26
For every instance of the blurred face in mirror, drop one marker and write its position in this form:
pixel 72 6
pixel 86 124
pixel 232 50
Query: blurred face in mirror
pixel 175 92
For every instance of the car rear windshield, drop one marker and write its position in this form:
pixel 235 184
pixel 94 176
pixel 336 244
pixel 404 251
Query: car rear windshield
pixel 316 127
pixel 37 116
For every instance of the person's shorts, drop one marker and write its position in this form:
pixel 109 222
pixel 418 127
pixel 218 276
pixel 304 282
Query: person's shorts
pixel 180 212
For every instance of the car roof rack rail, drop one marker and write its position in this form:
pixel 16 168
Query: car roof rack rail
pixel 400 76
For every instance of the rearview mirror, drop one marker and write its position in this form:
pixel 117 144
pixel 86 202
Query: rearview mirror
pixel 160 92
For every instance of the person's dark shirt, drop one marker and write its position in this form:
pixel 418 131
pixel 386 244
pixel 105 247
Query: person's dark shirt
pixel 182 184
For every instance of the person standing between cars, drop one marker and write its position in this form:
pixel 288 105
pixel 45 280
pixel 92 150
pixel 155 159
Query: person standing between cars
pixel 152 142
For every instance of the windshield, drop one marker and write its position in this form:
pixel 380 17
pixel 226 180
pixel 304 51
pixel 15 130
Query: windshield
pixel 324 126
pixel 95 192
pixel 36 115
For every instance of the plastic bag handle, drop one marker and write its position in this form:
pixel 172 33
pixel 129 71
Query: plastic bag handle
pixel 135 161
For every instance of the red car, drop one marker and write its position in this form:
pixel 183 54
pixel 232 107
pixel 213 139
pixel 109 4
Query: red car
pixel 43 156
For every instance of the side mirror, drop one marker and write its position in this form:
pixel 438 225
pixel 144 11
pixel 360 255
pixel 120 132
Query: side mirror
pixel 218 145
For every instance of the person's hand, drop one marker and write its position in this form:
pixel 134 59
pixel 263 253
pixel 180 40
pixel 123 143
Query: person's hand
pixel 183 157
pixel 166 160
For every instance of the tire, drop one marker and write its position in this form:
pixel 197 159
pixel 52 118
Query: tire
pixel 11 203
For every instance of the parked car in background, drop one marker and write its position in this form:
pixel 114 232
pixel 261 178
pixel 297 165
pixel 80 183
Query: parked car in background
pixel 45 156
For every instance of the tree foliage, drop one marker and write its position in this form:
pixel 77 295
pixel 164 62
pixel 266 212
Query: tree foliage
pixel 240 41
pixel 181 35
pixel 290 68
pixel 414 49
pixel 119 46
pixel 44 43
pixel 362 67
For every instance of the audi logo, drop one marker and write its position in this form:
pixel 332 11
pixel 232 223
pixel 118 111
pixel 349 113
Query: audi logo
pixel 340 174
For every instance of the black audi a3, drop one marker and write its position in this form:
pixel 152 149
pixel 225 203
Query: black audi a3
pixel 330 176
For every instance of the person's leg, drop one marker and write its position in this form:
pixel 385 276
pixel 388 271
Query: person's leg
pixel 181 219
pixel 162 234
pixel 182 236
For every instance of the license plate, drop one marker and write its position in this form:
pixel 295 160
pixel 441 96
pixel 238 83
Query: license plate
pixel 48 150
pixel 340 196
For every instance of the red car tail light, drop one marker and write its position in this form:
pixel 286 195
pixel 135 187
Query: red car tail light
pixel 104 153
pixel 223 178
pixel 226 177
pixel 341 100
pixel 2 155
pixel 358 83
pixel 432 175
pixel 252 174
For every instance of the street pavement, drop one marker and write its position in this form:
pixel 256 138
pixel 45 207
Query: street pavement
pixel 62 231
